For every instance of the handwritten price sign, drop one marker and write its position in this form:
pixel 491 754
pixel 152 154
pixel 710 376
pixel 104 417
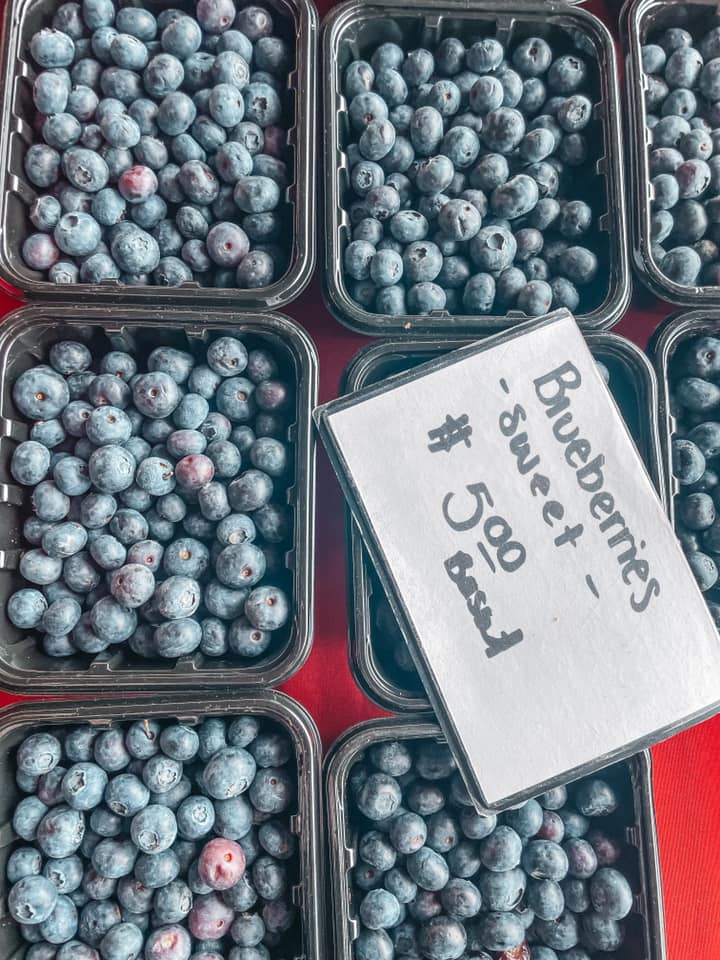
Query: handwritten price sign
pixel 546 601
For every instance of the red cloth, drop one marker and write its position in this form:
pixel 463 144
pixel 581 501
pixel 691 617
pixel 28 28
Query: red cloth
pixel 687 768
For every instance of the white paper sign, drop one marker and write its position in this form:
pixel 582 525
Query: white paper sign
pixel 553 615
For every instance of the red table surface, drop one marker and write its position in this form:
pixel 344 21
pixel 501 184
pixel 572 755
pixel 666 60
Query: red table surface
pixel 686 768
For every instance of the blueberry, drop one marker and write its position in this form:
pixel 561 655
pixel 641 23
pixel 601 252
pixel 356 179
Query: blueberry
pixel 177 597
pixel 596 798
pixel 61 617
pixel 601 933
pixel 49 502
pixel 51 91
pixel 224 602
pixel 83 786
pixel 387 56
pixel 564 294
pixel 610 894
pixel 210 916
pixel 111 468
pixel 85 170
pixel 269 878
pixel 581 858
pixel 40 252
pixel 575 113
pixel 27 816
pixel 52 48
pixel 580 264
pixel 575 892
pixel 229 772
pixel 379 910
pixel 357 258
pixel 96 919
pixel 45 213
pixel 444 96
pixel 486 94
pixel 185 147
pixel 359 78
pixel 248 930
pixel 169 942
pixel 653 58
pixel 123 940
pixel 688 462
pixel 535 299
pixel 681 265
pixel 24 862
pixel 195 817
pixel 366 877
pixel 134 250
pixel 680 105
pixel 42 165
pixel 277 840
pixel 126 795
pixel 38 568
pixel 233 817
pixel 30 463
pixel 697 511
pixel 374 945
pixel 246 640
pixel 149 213
pixel 214 637
pixel 79 743
pixel 227 244
pixel 136 22
pixel 428 869
pixel 263 105
pixel 525 820
pixel 61 130
pixel 607 849
pixel 493 248
pixel 382 202
pixel 503 130
pixel 545 860
pixel 60 832
pixel 442 938
pixel 153 829
pixel 215 16
pixel 40 393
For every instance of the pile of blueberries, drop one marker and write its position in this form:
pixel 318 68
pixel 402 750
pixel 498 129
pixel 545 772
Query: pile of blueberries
pixel 465 168
pixel 156 516
pixel 683 103
pixel 695 399
pixel 156 841
pixel 436 880
pixel 162 146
